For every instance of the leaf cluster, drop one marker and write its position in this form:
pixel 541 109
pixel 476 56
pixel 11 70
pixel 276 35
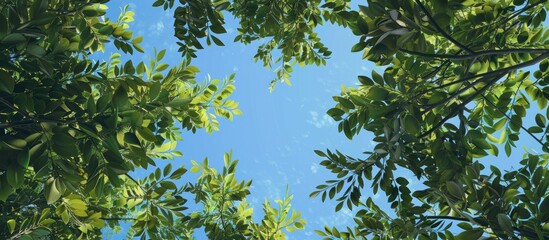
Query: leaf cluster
pixel 73 131
pixel 460 82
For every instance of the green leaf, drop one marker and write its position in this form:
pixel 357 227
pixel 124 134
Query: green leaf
pixel 168 185
pixel 346 103
pixel 540 120
pixel 335 113
pixel 347 131
pixel 405 38
pixel 160 55
pixel 23 158
pixel 15 176
pixel 14 38
pixel 178 173
pixel 7 83
pixel 442 19
pixel 146 134
pixel 195 169
pixel 36 50
pixel 411 125
pixel 131 139
pixel 16 144
pixel 505 223
pixel 11 225
pixel 161 67
pixel 544 208
pixel 470 235
pixel 167 169
pixel 217 29
pixel 523 37
pixel 359 47
pixel 138 40
pixel 91 11
pixel 52 193
pixel 465 226
pixel 455 189
pixel 120 97
pixel 64 145
pixel 377 93
pixel 366 81
pixel 5 189
pixel 377 78
pixel 362 25
pixel 217 41
pixel 106 30
pixel 128 68
pixel 179 102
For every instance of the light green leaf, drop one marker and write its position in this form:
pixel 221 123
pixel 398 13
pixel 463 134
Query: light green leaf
pixel 52 193
pixel 11 225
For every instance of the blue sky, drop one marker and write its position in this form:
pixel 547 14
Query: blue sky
pixel 275 137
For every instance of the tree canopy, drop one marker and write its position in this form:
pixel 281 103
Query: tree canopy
pixel 73 130
pixel 457 83
pixel 459 80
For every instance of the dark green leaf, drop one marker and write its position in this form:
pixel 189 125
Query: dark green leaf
pixel 7 83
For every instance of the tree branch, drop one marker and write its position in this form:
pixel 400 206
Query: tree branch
pixel 15 124
pixel 444 34
pixel 447 218
pixel 511 120
pixel 35 120
pixel 488 74
pixel 477 54
pixel 526 8
pixel 460 106
pixel 119 219
pixel 107 219
pixel 522 231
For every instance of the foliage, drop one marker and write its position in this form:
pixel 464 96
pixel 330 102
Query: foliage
pixel 459 81
pixel 286 25
pixel 226 214
pixel 74 130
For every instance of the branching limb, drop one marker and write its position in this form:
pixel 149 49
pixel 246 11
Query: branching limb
pixel 460 107
pixel 523 232
pixel 477 54
pixel 511 120
pixel 488 74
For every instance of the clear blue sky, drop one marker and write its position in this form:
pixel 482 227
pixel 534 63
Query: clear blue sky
pixel 275 137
